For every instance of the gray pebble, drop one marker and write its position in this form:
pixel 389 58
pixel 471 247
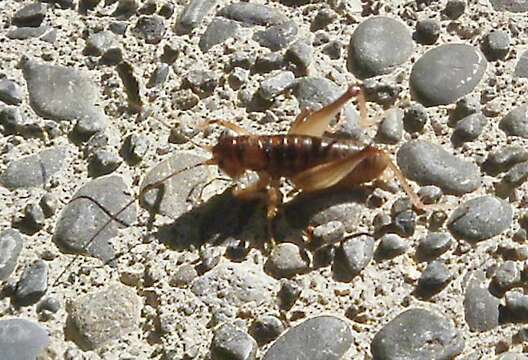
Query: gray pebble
pixel 217 32
pixel 62 93
pixel 22 339
pixel 244 60
pixel 185 99
pixel 104 315
pixel 209 258
pixel 390 130
pixel 276 84
pixel 166 10
pixel 288 294
pixel 354 255
pixel 103 162
pixel 321 37
pixel 150 28
pixel 159 76
pixel 507 276
pixel 434 278
pixel 149 7
pixel 521 68
pixel 404 223
pixel 50 304
pixel 468 105
pixel 238 77
pixel 505 5
pixel 428 31
pixel 10 92
pixel 514 178
pixel 118 27
pixel 183 276
pixel 34 218
pixel 415 118
pixel 377 46
pixel 193 14
pixel 390 246
pixel 380 91
pixel 455 9
pixel 481 218
pixel 287 260
pixel 253 14
pixel 430 164
pixel 333 49
pixel 266 329
pixel 11 243
pixel 430 194
pixel 277 37
pixel 32 284
pixel 30 15
pixel 433 337
pixel 523 220
pixel 381 222
pixel 269 62
pixel 35 170
pixel 300 53
pixel 496 45
pixel 469 128
pixel 24 33
pixel 201 82
pixel 504 159
pixel 432 81
pixel 99 43
pixel 515 123
pixel 82 218
pixel 329 339
pixel 434 244
pixel 135 148
pixel 481 309
pixel 323 18
pixel 231 343
pixel 329 233
pixel 516 307
pixel 125 9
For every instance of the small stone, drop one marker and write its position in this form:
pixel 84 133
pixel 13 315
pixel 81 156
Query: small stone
pixel 434 244
pixel 269 62
pixel 430 164
pixel 135 148
pixel 276 84
pixel 481 218
pixel 466 106
pixel 469 128
pixel 521 68
pixel 377 46
pixel 330 338
pixel 404 223
pixel 10 92
pixel 504 159
pixel 323 18
pixel 193 14
pixel 515 123
pixel 520 236
pixel 300 53
pixel 428 31
pixel 455 9
pixel 183 276
pixel 125 9
pixel 390 246
pixel 287 260
pixel 101 316
pixel 218 31
pixel 159 76
pixel 185 99
pixel 118 27
pixel 11 243
pixel 253 14
pixel 14 122
pixel 150 28
pixel 201 82
pixel 277 37
pixel 514 178
pixel 244 60
pixel 508 6
pixel 148 8
pixel 333 49
pixel 354 255
pixel 380 91
pixel 321 37
pixel 434 278
pixel 434 337
pixel 507 276
pixel 266 329
pixel 288 294
pixel 390 130
pixel 381 222
pixel 166 10
pixel 516 307
pixel 22 339
pixel 30 15
pixel 209 258
pixel 24 33
pixel 329 233
pixel 231 343
pixel 50 304
pixel 430 194
pixel 238 77
pixel 496 45
pixel 34 217
pixel 103 162
pixel 415 118
pixel 32 284
pixel 99 43
pixel 481 309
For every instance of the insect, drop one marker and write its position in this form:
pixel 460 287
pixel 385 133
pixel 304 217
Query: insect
pixel 306 157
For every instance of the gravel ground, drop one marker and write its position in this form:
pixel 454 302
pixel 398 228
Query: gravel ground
pixel 100 98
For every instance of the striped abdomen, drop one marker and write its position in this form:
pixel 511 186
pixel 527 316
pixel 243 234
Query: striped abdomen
pixel 278 155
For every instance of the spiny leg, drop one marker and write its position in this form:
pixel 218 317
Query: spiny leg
pixel 229 125
pixel 274 200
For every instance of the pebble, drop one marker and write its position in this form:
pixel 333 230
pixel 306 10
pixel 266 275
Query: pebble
pixel 434 278
pixel 217 32
pixel 201 82
pixel 193 14
pixel 10 92
pixel 506 277
pixel 288 294
pixel 378 46
pixel 253 14
pixel 185 99
pixel 430 194
pixel 125 9
pixel 209 258
pixel 354 255
pixel 481 309
pixel 104 315
pixel 183 276
pixel 434 337
pixel 434 244
pixel 35 170
pixel 34 218
pixel 151 29
pixel 390 130
pixel 515 123
pixel 11 243
pixel 455 9
pixel 277 37
pixel 269 62
pixel 504 159
pixel 118 27
pixel 390 246
pixel 323 18
pixel 329 233
pixel 287 260
pixel 167 10
pixel 238 77
pixel 415 118
pixel 430 164
pixel 300 53
pixel 21 339
pixel 63 93
pixel 516 307
pixel 266 329
pixel 433 83
pixel 480 218
pixel 469 128
pixel 333 49
pixel 428 31
pixel 404 223
pixel 159 76
pixel 229 342
pixel 468 105
pixel 135 148
pixel 50 304
pixel 512 356
pixel 509 6
pixel 381 91
pixel 496 45
pixel 275 85
pixel 99 43
pixel 32 284
pixel 103 162
pixel 521 68
pixel 24 33
pixel 514 178
pixel 30 15
pixel 244 60
pixel 81 219
pixel 330 338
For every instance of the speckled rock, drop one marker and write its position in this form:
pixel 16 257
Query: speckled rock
pixel 253 14
pixel 150 28
pixel 231 343
pixel 390 130
pixel 218 31
pixel 417 334
pixel 511 6
pixel 82 218
pixel 99 317
pixel 434 244
pixel 504 159
pixel 430 164
pixel 319 338
pixel 481 218
pixel 433 83
pixel 469 128
pixel 192 15
pixel 277 37
pixel 377 46
pixel 287 260
pixel 496 45
pixel 521 68
pixel 354 255
pixel 480 307
pixel 515 123
pixel 435 277
pixel 11 243
pixel 516 306
pixel 22 339
pixel 35 170
pixel 10 92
